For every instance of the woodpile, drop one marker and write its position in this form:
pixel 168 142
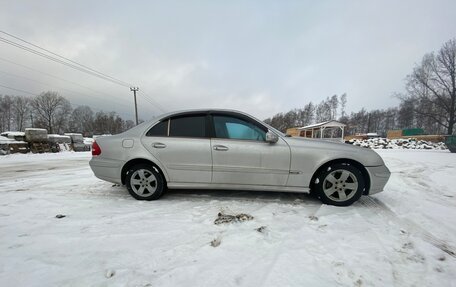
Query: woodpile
pixel 17 136
pixel 35 135
pixel 8 145
pixel 39 141
pixel 59 139
pixel 394 134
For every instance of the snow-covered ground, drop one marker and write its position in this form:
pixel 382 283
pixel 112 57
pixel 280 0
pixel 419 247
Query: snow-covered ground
pixel 405 236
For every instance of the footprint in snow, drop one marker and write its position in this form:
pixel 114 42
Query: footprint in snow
pixel 110 273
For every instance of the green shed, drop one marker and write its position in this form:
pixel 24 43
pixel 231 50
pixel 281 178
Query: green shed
pixel 451 143
pixel 412 132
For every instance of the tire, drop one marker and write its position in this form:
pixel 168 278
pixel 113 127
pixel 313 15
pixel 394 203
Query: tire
pixel 144 182
pixel 339 184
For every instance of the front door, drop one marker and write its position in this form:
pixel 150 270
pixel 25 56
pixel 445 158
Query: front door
pixel 241 155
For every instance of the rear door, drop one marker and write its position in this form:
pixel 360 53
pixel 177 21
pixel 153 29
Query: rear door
pixel 241 155
pixel 181 144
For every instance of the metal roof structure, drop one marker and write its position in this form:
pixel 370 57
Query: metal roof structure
pixel 331 123
pixel 318 130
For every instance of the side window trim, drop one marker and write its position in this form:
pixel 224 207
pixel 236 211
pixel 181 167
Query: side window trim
pixel 210 131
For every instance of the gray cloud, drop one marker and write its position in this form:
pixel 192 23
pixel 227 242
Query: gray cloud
pixel 261 57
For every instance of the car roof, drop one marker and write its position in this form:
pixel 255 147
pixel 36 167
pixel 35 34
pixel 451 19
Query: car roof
pixel 139 128
pixel 195 111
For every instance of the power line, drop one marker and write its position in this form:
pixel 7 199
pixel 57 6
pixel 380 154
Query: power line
pixel 34 94
pixel 72 64
pixel 153 102
pixel 49 85
pixel 55 77
pixel 149 101
pixel 69 60
pixel 18 90
pixel 30 50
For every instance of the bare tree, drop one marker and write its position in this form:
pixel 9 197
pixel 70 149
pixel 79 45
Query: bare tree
pixel 62 117
pixel 129 124
pixel 108 123
pixel 432 85
pixel 358 122
pixel 5 113
pixel 334 104
pixel 323 111
pixel 406 113
pixel 81 120
pixel 51 111
pixel 343 103
pixel 21 110
pixel 390 119
pixel 307 114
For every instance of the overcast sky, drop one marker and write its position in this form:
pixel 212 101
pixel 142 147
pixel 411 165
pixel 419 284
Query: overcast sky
pixel 261 57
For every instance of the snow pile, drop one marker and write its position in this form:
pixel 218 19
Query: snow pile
pixel 410 143
pixel 5 140
pixel 55 139
pixel 88 141
pixel 20 136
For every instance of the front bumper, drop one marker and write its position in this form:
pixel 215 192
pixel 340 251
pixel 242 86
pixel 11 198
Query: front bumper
pixel 107 169
pixel 379 176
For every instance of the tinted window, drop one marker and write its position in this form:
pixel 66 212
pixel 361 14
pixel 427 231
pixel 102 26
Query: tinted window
pixel 159 130
pixel 234 128
pixel 188 126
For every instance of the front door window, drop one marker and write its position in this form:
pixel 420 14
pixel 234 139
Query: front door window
pixel 234 128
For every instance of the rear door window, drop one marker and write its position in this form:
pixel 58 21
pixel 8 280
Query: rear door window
pixel 159 130
pixel 193 126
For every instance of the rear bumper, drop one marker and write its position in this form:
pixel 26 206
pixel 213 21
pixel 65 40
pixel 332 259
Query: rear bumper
pixel 107 169
pixel 379 176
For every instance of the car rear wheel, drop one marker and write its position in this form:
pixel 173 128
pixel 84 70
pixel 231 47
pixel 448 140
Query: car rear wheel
pixel 340 184
pixel 144 182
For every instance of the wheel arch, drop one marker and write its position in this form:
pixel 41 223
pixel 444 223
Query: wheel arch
pixel 355 163
pixel 136 161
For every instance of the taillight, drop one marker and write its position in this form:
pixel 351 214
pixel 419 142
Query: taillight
pixel 96 150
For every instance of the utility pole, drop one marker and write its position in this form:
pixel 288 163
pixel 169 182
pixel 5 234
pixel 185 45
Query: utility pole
pixel 134 90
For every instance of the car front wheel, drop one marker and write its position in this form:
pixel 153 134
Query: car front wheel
pixel 340 184
pixel 144 182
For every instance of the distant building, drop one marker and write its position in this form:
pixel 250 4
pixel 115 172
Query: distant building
pixel 332 130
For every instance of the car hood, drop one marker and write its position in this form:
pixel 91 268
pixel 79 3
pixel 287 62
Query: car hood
pixel 366 156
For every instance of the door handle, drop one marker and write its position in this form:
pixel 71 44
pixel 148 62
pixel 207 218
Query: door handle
pixel 220 148
pixel 158 145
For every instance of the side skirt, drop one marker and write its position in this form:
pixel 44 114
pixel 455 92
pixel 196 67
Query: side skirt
pixel 183 185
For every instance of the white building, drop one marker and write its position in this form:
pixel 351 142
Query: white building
pixel 332 130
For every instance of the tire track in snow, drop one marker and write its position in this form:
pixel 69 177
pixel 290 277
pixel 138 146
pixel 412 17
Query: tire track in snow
pixel 382 210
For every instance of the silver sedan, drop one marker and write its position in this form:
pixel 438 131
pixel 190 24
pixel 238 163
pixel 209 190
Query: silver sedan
pixel 224 149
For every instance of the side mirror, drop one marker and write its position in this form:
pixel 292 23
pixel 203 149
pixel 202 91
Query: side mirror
pixel 271 137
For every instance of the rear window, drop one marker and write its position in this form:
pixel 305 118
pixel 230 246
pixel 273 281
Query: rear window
pixel 159 130
pixel 188 126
